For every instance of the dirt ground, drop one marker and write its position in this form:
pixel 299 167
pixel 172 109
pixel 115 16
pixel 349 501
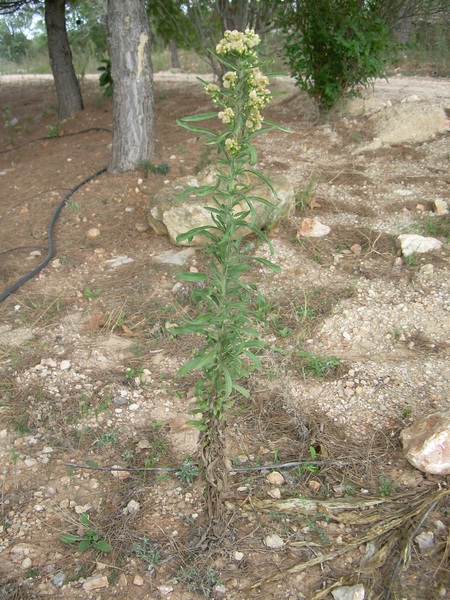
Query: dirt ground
pixel 358 350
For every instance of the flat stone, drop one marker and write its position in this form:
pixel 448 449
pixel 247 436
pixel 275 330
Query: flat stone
pixel 95 582
pixel 425 541
pixel 347 592
pixel 440 207
pixel 119 261
pixel 93 233
pixel 411 243
pixel 274 493
pixel 273 541
pixel 275 478
pixel 175 258
pixel 312 228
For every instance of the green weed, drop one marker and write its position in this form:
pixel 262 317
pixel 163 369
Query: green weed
pixel 320 366
pixel 304 196
pixel 145 551
pixel 88 539
pixel 386 486
pixel 106 439
pixel 90 293
pixel 149 167
pixel 231 343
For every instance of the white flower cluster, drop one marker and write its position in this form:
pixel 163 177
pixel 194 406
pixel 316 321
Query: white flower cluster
pixel 237 42
pixel 229 79
pixel 244 92
pixel 259 97
pixel 226 116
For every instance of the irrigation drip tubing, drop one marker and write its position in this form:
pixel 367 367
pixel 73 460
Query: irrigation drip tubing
pixel 55 137
pixel 49 256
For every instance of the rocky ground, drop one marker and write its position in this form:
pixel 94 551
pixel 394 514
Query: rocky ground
pixel 358 350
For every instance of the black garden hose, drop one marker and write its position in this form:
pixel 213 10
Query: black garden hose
pixel 49 256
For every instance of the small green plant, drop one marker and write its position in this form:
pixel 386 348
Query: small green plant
pixel 131 372
pixel 312 523
pixel 304 195
pixel 88 539
pixel 305 312
pixel 320 366
pixel 231 342
pixel 54 130
pixel 31 573
pixel 386 486
pixel 149 167
pixel 310 468
pixel 406 412
pixel 137 349
pixel 106 439
pixel 435 226
pixel 145 551
pixel 74 206
pixel 90 293
pixel 397 334
pixel 188 471
pixel 105 80
pixel 14 457
pixel 412 260
pixel 349 490
pixel 199 580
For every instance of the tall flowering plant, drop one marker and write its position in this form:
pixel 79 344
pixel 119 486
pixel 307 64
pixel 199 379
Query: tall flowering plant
pixel 230 340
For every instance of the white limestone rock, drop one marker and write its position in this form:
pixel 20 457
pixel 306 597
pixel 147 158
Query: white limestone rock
pixel 169 216
pixel 411 243
pixel 427 444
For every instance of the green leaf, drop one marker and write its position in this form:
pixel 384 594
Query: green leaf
pixel 102 546
pixel 241 390
pixel 191 276
pixel 84 519
pixel 200 117
pixel 197 362
pixel 272 125
pixel 191 327
pixel 68 538
pixel 255 360
pixel 83 545
pixel 203 130
pixel 204 231
pixel 266 263
pixel 228 382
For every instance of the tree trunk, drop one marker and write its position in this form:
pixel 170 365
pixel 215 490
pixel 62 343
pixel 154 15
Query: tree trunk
pixel 174 58
pixel 66 82
pixel 131 70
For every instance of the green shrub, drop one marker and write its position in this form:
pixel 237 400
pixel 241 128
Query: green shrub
pixel 333 47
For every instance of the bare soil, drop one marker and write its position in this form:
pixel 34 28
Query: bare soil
pixel 358 350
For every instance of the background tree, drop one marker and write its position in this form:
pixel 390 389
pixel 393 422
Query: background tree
pixel 66 82
pixel 14 43
pixel 60 55
pixel 131 68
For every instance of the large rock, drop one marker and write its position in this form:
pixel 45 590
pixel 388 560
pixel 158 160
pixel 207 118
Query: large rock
pixel 427 443
pixel 171 217
pixel 411 243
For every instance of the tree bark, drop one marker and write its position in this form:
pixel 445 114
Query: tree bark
pixel 174 58
pixel 66 82
pixel 132 74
